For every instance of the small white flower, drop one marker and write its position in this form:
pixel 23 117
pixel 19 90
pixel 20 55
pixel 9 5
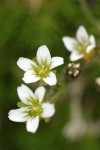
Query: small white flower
pixel 80 47
pixel 41 68
pixel 98 81
pixel 32 107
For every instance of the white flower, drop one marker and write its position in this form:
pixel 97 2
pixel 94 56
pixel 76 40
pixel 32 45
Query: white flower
pixel 82 46
pixel 32 107
pixel 98 81
pixel 41 68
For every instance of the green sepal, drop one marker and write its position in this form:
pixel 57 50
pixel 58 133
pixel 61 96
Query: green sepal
pixel 47 120
pixel 20 104
pixel 34 59
pixel 42 82
pixel 44 100
pixel 54 71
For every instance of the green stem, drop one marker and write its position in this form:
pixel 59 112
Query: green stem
pixel 61 90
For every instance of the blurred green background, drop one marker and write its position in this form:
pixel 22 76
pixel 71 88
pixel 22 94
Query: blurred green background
pixel 24 26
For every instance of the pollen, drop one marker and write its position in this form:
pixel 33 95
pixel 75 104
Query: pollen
pixel 42 71
pixel 35 109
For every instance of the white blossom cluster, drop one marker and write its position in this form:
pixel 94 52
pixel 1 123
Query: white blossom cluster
pixel 34 106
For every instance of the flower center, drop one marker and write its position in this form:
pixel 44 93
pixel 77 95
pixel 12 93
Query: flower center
pixel 34 108
pixel 42 70
pixel 83 51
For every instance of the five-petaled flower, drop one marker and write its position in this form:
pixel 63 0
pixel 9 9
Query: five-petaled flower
pixel 33 106
pixel 82 46
pixel 41 68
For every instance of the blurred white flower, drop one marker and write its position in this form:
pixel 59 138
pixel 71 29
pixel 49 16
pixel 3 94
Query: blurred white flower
pixel 41 68
pixel 98 80
pixel 32 107
pixel 81 46
pixel 75 129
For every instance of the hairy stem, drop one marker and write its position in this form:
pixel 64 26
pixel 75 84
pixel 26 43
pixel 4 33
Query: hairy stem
pixel 58 94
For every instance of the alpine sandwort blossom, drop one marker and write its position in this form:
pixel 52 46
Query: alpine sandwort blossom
pixel 80 47
pixel 33 107
pixel 41 68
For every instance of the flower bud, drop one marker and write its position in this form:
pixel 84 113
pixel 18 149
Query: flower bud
pixel 73 70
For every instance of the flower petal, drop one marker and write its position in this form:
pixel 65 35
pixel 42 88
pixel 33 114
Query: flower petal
pixel 43 55
pixel 30 77
pixel 32 124
pixel 56 61
pixel 25 94
pixel 25 63
pixel 51 79
pixel 82 35
pixel 89 48
pixel 92 44
pixel 48 110
pixel 92 40
pixel 75 56
pixel 40 92
pixel 70 43
pixel 18 115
